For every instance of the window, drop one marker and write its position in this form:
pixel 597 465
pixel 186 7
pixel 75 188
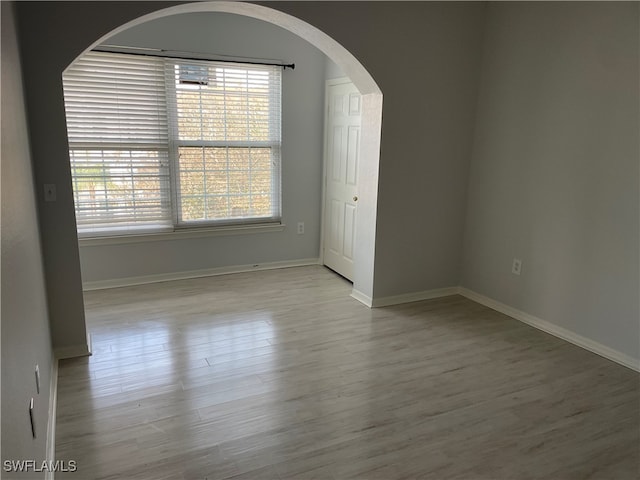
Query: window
pixel 158 144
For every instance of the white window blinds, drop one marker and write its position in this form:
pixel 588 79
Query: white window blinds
pixel 118 141
pixel 158 143
pixel 225 130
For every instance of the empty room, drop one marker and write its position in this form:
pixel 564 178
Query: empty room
pixel 320 240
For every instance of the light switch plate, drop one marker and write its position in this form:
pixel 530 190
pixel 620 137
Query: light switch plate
pixel 37 379
pixel 32 418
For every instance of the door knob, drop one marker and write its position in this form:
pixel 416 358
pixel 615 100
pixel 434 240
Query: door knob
pixel 355 198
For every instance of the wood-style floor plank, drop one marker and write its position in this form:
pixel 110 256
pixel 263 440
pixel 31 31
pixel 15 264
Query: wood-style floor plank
pixel 282 375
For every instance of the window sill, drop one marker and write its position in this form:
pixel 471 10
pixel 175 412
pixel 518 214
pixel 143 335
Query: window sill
pixel 182 234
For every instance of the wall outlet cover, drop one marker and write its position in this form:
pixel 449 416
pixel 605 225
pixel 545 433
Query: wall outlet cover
pixel 516 267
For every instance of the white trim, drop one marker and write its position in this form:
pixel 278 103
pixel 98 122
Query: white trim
pixel 207 272
pixel 50 453
pixel 414 297
pixel 555 330
pixel 74 351
pixel 362 298
pixel 338 81
pixel 181 233
pixel 323 183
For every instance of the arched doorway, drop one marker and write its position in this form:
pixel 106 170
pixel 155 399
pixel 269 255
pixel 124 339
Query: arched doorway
pixel 363 276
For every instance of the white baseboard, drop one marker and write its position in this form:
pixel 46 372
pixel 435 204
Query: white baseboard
pixel 554 330
pixel 73 351
pixel 404 298
pixel 414 297
pixel 208 272
pixel 51 425
pixel 545 326
pixel 362 298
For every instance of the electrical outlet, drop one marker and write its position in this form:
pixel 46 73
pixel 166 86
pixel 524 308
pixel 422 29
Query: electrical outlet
pixel 516 267
pixel 37 379
pixel 50 192
pixel 300 228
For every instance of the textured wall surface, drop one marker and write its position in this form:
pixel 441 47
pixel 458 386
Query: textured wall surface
pixel 554 176
pixel 25 323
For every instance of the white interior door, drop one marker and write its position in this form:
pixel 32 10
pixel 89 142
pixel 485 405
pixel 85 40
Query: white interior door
pixel 342 152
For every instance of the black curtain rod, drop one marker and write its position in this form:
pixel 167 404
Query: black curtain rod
pixel 162 54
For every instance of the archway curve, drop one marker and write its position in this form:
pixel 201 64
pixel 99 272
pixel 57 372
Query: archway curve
pixel 363 281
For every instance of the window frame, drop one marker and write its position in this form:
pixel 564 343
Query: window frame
pixel 119 233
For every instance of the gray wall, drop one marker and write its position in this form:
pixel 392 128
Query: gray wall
pixel 25 324
pixel 425 57
pixel 302 134
pixel 554 175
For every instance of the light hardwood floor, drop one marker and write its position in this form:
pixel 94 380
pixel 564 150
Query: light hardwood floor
pixel 280 374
